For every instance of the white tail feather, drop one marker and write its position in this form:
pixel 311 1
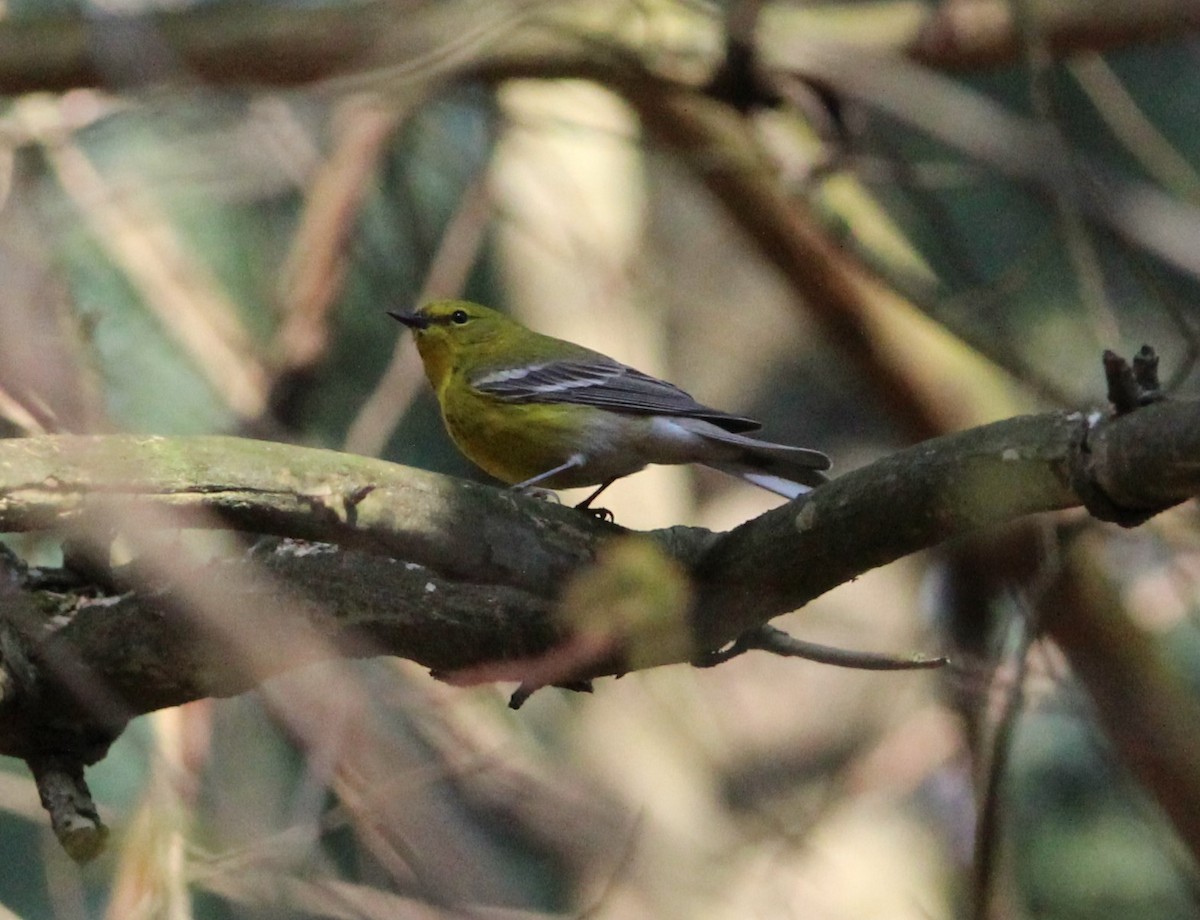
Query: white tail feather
pixel 776 484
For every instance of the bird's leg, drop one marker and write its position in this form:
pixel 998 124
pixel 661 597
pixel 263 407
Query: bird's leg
pixel 587 502
pixel 575 460
pixel 572 461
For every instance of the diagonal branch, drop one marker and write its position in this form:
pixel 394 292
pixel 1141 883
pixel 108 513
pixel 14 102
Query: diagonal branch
pixel 938 490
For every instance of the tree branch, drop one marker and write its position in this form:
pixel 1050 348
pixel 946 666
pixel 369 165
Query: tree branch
pixel 270 488
pixel 493 554
pixel 966 34
pixel 484 566
pixel 937 490
pixel 237 45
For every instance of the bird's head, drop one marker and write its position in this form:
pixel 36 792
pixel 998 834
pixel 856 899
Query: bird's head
pixel 446 331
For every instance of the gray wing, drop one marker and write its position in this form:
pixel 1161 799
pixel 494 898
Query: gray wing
pixel 604 383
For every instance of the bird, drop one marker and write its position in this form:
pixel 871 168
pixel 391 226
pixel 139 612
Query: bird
pixel 540 412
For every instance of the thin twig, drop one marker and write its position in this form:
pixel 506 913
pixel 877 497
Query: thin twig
pixel 987 822
pixel 769 639
pixel 1080 248
pixel 990 344
pixel 316 265
pixel 456 254
pixel 1139 698
pixel 1133 129
pixel 1027 629
pixel 177 289
pixel 973 34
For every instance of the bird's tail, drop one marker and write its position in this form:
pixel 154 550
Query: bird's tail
pixel 779 468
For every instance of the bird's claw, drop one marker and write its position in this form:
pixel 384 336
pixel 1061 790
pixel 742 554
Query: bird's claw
pixel 600 514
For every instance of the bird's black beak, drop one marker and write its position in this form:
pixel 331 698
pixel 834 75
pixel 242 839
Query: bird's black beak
pixel 411 320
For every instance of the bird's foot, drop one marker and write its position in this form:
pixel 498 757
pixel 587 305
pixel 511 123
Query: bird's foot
pixel 600 514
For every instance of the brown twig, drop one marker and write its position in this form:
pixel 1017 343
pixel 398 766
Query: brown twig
pixel 972 34
pixel 836 291
pixel 239 46
pixel 769 639
pixel 456 254
pixel 316 266
pixel 995 756
pixel 67 799
pixel 174 286
pixel 1140 702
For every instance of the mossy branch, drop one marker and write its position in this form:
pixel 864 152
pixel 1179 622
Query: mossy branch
pixel 455 575
pixel 490 557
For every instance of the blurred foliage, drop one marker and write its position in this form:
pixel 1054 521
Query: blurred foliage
pixel 1018 283
pixel 155 208
pixel 1091 842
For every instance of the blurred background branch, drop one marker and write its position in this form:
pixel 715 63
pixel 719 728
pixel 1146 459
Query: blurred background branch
pixel 869 224
pixel 244 46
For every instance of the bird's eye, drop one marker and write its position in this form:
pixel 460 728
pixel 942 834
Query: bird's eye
pixel 459 317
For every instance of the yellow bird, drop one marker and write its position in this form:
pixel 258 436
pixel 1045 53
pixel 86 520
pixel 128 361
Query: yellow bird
pixel 533 410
